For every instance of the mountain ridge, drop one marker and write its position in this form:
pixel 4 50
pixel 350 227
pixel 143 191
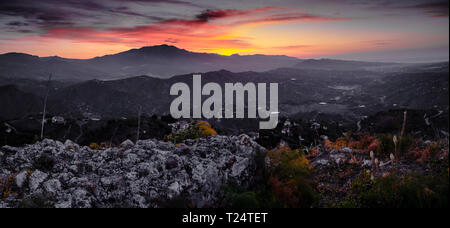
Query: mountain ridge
pixel 347 93
pixel 163 61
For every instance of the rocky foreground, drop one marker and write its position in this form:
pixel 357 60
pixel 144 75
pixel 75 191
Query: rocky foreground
pixel 149 173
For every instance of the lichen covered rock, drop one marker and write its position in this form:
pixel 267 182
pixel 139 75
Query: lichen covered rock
pixel 149 173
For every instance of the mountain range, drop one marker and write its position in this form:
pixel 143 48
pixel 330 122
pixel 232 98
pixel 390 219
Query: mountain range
pixel 100 87
pixel 350 94
pixel 161 61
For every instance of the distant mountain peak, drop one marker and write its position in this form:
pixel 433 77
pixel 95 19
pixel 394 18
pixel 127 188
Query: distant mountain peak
pixel 157 50
pixel 162 47
pixel 18 55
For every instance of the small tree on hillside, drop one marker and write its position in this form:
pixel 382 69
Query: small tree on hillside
pixel 45 106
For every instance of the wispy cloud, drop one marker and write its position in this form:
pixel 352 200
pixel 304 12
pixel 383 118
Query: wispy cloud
pixel 300 26
pixel 434 9
pixel 429 8
pixel 203 27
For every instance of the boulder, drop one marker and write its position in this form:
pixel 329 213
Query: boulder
pixel 146 174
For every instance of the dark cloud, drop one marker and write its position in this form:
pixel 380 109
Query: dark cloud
pixel 300 17
pixel 435 9
pixel 40 13
pixel 25 31
pixel 175 2
pixel 428 7
pixel 128 12
pixel 216 14
pixel 17 23
pixel 209 14
pixel 203 17
pixel 71 13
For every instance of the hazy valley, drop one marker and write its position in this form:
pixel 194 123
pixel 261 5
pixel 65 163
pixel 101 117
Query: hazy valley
pixel 108 124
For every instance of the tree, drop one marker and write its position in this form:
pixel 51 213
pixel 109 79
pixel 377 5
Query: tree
pixel 45 106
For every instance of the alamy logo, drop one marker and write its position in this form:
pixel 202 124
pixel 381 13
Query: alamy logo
pixel 234 101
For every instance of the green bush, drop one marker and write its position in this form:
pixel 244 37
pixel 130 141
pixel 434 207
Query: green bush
pixel 236 199
pixel 408 191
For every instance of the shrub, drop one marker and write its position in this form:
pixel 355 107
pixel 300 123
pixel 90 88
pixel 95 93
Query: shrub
pixel 286 162
pixel 94 146
pixel 198 129
pixel 6 186
pixel 204 129
pixel 363 142
pixel 288 172
pixel 238 199
pixel 340 142
pixel 430 152
pixel 408 191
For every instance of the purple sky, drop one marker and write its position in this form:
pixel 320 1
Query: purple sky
pixel 402 31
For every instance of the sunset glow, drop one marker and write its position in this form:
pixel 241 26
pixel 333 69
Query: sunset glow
pixel 85 29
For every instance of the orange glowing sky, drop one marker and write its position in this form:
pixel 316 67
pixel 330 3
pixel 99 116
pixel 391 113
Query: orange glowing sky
pixel 415 30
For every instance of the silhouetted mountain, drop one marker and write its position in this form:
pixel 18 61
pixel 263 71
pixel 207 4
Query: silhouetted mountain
pixel 164 61
pixel 157 61
pixel 349 89
pixel 17 65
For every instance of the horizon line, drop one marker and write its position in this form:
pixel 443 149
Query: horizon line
pixel 235 54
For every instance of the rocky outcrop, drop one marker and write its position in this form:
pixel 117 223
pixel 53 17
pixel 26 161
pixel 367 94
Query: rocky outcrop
pixel 149 173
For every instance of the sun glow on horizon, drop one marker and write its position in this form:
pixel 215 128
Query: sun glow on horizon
pixel 300 29
pixel 230 51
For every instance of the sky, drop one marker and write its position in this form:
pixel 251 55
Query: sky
pixel 373 30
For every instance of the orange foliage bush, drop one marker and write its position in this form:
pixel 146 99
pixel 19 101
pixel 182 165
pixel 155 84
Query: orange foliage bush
pixel 374 145
pixel 198 129
pixel 288 177
pixel 430 152
pixel 364 143
pixel 340 142
pixel 314 152
pixel 285 191
pixel 205 128
pixel 94 146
